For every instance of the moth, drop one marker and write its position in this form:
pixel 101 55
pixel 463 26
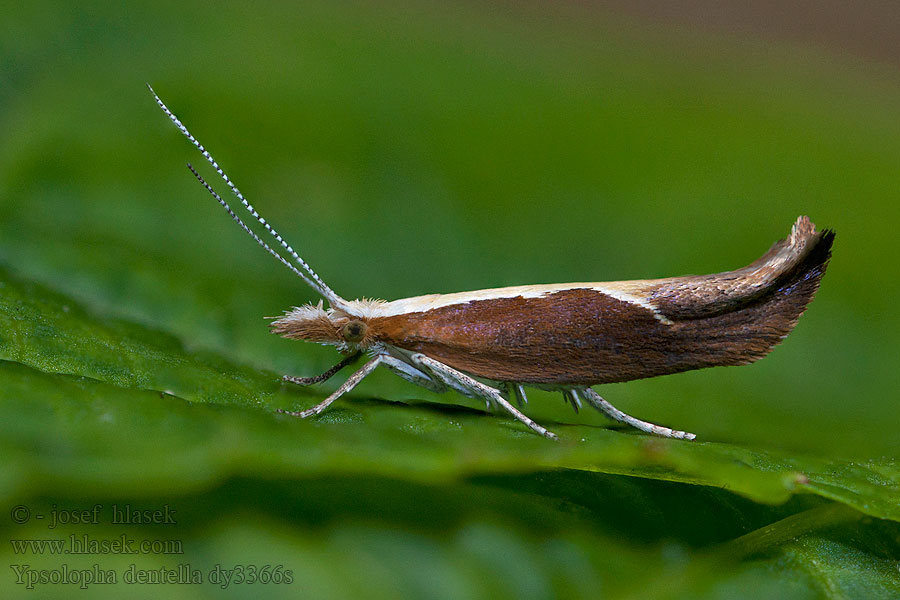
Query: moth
pixel 491 344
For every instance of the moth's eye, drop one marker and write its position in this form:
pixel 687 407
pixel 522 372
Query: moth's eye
pixel 354 331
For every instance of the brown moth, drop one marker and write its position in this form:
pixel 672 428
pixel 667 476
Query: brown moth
pixel 489 344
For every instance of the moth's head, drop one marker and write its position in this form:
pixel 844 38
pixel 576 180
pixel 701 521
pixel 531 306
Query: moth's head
pixel 335 327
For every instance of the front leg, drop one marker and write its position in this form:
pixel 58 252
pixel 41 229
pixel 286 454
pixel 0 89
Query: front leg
pixel 324 376
pixel 346 387
pixel 457 379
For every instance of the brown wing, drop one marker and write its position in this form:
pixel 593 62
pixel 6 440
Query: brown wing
pixel 585 336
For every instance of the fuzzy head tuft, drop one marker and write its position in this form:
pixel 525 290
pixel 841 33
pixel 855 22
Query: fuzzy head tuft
pixel 335 327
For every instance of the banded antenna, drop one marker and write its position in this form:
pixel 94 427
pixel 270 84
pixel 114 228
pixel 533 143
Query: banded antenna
pixel 307 274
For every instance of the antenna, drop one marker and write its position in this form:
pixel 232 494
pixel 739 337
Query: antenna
pixel 253 235
pixel 310 276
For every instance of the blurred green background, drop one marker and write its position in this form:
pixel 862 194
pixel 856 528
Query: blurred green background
pixel 412 148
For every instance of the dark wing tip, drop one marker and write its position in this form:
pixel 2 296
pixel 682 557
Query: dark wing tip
pixel 702 296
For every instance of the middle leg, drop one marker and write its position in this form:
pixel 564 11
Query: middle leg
pixel 455 379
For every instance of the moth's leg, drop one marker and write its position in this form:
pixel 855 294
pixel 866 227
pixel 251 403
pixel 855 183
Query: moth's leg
pixel 571 396
pixel 515 391
pixel 439 379
pixel 413 375
pixel 455 384
pixel 346 387
pixel 521 398
pixel 455 379
pixel 612 412
pixel 324 376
